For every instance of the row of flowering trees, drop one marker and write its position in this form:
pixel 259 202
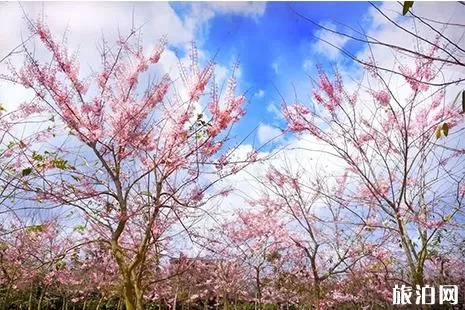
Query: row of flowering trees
pixel 112 177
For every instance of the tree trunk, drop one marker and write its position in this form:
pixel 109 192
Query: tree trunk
pixel 130 299
pixel 99 303
pixel 225 303
pixel 29 304
pixel 258 284
pixel 133 297
pixel 64 306
pixel 7 297
pixel 175 299
pixel 39 304
pixel 317 294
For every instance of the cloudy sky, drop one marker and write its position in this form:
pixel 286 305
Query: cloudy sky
pixel 278 50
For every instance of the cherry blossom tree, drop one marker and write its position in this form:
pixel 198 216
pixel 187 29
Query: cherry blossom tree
pixel 205 281
pixel 14 146
pixel 132 153
pixel 32 258
pixel 403 166
pixel 420 24
pixel 254 239
pixel 21 231
pixel 327 236
pixel 107 174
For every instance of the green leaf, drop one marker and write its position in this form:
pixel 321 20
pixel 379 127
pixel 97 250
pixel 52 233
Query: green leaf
pixel 407 6
pixel 438 133
pixel 79 228
pixel 35 228
pixel 59 164
pixel 75 177
pixel 26 172
pixel 41 165
pixel 37 156
pixel 445 129
pixel 60 265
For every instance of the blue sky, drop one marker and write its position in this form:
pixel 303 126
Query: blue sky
pixel 276 48
pixel 272 49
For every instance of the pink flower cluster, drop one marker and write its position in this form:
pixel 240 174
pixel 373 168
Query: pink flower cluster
pixel 382 97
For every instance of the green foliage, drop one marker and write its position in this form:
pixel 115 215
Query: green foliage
pixel 76 178
pixel 37 156
pixel 445 129
pixel 434 245
pixel 407 6
pixel 35 228
pixel 60 265
pixel 53 160
pixel 79 228
pixel 41 163
pixel 26 172
pixel 59 163
pixel 200 126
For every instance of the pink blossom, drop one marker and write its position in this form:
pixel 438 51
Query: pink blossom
pixel 382 97
pixel 462 190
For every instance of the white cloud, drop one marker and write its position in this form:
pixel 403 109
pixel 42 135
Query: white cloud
pixel 275 67
pixel 260 94
pixel 386 32
pixel 324 49
pixel 107 19
pixel 267 133
pixel 305 151
pixel 253 9
pixel 111 20
pixel 202 12
pixel 273 109
pixel 308 65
